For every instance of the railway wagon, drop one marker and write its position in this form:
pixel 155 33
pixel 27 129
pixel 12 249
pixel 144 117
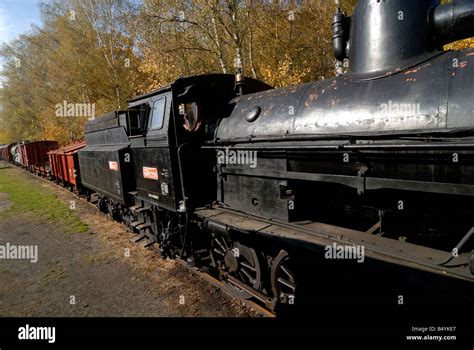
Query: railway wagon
pixel 64 165
pixel 105 163
pixel 54 163
pixel 5 152
pixel 16 155
pixel 34 157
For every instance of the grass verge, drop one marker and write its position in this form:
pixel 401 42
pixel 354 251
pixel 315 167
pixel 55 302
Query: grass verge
pixel 26 197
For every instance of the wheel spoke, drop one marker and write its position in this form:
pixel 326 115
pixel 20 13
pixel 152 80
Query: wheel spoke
pixel 247 265
pixel 289 274
pixel 220 244
pixel 227 247
pixel 287 283
pixel 246 273
pixel 250 278
pixel 219 252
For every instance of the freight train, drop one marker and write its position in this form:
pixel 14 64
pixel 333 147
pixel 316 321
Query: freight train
pixel 31 156
pixel 254 184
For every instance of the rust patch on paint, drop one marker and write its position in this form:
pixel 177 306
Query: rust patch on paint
pixel 413 71
pixel 311 99
pixel 267 111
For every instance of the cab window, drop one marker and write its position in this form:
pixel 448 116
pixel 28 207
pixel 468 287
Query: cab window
pixel 157 114
pixel 135 115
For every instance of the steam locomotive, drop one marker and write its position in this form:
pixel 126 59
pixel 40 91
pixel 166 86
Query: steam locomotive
pixel 253 184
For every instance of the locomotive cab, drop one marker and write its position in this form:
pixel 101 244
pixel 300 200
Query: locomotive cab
pixel 167 128
pixel 151 138
pixel 164 131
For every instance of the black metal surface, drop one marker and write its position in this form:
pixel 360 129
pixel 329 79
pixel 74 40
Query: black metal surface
pixel 210 82
pixel 321 235
pixel 156 177
pixel 163 190
pixel 389 35
pixel 106 163
pixel 98 174
pixel 105 121
pixel 413 101
pixel 453 21
pixel 340 35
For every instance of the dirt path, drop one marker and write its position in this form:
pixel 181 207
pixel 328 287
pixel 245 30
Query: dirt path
pixel 95 273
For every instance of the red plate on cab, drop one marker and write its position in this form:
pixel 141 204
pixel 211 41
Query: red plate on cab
pixel 150 173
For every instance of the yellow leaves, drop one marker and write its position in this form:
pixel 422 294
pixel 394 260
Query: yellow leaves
pixel 461 44
pixel 159 73
pixel 6 136
pixel 78 61
pixel 64 130
pixel 58 133
pixel 286 74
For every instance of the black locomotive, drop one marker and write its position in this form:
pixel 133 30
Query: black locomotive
pixel 254 184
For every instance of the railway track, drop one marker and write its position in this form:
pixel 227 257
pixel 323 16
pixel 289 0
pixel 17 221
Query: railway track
pixel 222 286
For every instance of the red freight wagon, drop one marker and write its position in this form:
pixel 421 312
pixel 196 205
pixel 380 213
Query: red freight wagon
pixel 53 163
pixel 65 165
pixel 5 152
pixel 34 157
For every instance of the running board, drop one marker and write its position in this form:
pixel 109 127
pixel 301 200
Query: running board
pixel 317 236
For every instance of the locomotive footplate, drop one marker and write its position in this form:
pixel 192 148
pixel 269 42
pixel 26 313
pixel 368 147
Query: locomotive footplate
pixel 318 236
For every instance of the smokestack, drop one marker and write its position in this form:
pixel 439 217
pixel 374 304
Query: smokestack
pixel 386 35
